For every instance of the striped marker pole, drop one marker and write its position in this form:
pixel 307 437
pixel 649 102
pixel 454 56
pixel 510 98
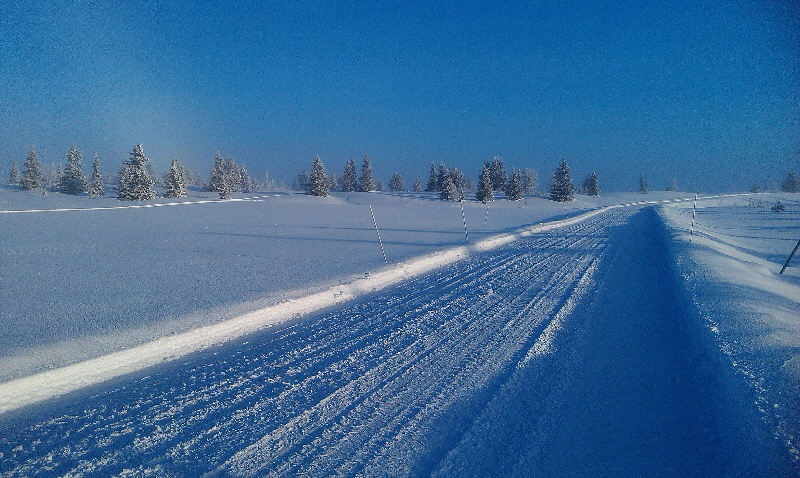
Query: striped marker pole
pixel 378 233
pixel 464 218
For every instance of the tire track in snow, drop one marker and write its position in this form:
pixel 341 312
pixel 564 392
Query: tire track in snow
pixel 361 389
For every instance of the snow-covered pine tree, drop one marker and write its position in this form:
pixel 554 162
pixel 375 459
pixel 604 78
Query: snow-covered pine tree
pixel 498 174
pixel 790 184
pixel 366 183
pixel 417 185
pixel 333 181
pixel 529 181
pixel 32 171
pixel 561 187
pixel 300 182
pixel 591 187
pixel 95 187
pixel 433 181
pixel 317 180
pixel 230 175
pixel 349 177
pixel 485 193
pixel 643 186
pixel 245 182
pixel 13 174
pixel 134 183
pixel 175 181
pixel 396 183
pixel 514 186
pixel 215 183
pixel 440 177
pixel 72 180
pixel 449 191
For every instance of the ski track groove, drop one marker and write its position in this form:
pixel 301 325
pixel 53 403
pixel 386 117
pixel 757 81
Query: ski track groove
pixel 355 390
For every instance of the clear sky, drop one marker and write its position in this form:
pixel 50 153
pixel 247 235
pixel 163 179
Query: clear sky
pixel 705 92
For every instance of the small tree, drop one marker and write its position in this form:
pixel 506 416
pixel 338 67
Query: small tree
pixel 349 178
pixel 440 177
pixel 514 186
pixel 485 193
pixel 433 181
pixel 231 175
pixel 32 171
pixel 561 187
pixel 175 181
pixel 366 183
pixel 672 186
pixel 13 174
pixel 417 185
pixel 215 183
pixel 95 187
pixel 133 181
pixel 754 188
pixel 498 174
pixel 72 180
pixel 333 181
pixel 449 190
pixel 396 183
pixel 591 187
pixel 245 181
pixel 529 181
pixel 643 186
pixel 317 180
pixel 790 184
pixel 300 182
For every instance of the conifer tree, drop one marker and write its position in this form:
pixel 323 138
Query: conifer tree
pixel 485 193
pixel 134 183
pixel 230 174
pixel 215 183
pixel 176 181
pixel 498 174
pixel 417 185
pixel 317 180
pixel 13 174
pixel 95 187
pixel 366 183
pixel 561 187
pixel 790 184
pixel 449 191
pixel 433 181
pixel 514 186
pixel 349 177
pixel 333 181
pixel 590 185
pixel 32 171
pixel 300 182
pixel 672 186
pixel 643 186
pixel 245 182
pixel 72 179
pixel 529 181
pixel 396 183
pixel 440 177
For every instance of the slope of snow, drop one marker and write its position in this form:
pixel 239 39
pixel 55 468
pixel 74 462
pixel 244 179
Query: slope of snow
pixel 731 264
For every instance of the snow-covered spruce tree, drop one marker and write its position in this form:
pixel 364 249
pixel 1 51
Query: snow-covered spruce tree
pixel 529 181
pixel 32 172
pixel 366 183
pixel 245 182
pixel 790 184
pixel 13 174
pixel 175 181
pixel 561 187
pixel 498 174
pixel 300 182
pixel 440 177
pixel 514 186
pixel 134 184
pixel 449 191
pixel 217 175
pixel 396 183
pixel 643 186
pixel 333 181
pixel 349 177
pixel 591 187
pixel 317 180
pixel 72 180
pixel 485 193
pixel 417 185
pixel 230 175
pixel 433 181
pixel 95 187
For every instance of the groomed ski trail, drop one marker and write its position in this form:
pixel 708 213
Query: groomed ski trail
pixel 389 382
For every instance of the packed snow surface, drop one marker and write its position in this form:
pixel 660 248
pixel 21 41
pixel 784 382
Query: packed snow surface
pixel 590 346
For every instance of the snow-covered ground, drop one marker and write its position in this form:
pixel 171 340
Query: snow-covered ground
pixel 607 346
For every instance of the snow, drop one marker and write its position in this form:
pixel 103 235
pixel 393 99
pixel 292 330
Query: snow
pixel 287 345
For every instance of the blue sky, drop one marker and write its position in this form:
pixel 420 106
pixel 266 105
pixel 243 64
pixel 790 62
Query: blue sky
pixel 705 92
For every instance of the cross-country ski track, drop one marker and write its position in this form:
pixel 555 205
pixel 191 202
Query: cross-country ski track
pixel 566 352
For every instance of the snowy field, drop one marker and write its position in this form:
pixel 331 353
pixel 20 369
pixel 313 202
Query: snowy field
pixel 606 345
